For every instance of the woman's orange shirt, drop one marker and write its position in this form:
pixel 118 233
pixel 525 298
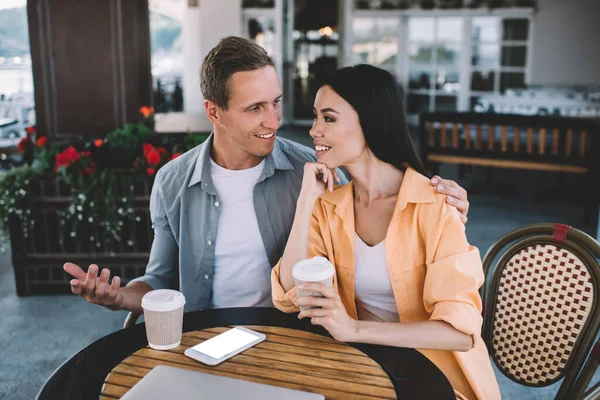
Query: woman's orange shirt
pixel 435 273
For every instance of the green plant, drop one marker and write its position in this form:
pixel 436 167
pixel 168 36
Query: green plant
pixel 101 208
pixel 102 174
pixel 16 200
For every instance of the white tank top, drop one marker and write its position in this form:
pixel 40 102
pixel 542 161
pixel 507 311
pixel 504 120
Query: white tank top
pixel 372 286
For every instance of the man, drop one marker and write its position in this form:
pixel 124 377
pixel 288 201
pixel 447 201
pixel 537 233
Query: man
pixel 222 212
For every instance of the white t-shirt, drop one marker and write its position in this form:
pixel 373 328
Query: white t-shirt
pixel 372 286
pixel 242 274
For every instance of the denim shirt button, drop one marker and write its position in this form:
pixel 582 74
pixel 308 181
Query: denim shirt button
pixel 206 277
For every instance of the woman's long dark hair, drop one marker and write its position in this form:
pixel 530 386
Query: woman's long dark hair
pixel 375 96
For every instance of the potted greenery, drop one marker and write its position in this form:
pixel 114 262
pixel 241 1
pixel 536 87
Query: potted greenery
pixel 84 200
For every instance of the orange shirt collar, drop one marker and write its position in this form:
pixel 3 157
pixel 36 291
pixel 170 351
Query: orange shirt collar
pixel 415 188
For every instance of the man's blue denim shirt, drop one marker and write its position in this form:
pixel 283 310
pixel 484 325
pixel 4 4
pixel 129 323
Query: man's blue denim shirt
pixel 185 209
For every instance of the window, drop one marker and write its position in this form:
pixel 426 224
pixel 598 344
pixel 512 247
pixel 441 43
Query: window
pixel 261 29
pixel 446 61
pixel 376 42
pixel 434 62
pixel 262 23
pixel 498 58
pixel 258 3
pixel 166 24
pixel 17 108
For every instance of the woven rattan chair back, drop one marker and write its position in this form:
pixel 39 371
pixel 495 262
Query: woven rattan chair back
pixel 541 304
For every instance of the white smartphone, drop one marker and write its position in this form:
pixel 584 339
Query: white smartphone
pixel 225 345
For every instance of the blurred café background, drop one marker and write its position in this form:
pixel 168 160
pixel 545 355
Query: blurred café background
pixel 502 96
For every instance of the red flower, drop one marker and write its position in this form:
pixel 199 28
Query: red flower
pixel 162 151
pixel 30 130
pixel 98 142
pixel 150 171
pixel 42 141
pixel 147 111
pixel 24 144
pixel 72 154
pixel 174 156
pixel 147 149
pixel 66 158
pixel 153 157
pixel 86 153
pixel 91 169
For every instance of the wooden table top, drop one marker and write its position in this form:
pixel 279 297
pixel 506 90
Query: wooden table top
pixel 288 358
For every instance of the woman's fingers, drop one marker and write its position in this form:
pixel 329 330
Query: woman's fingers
pixel 327 176
pixel 317 302
pixel 336 175
pixel 330 180
pixel 324 174
pixel 322 168
pixel 315 312
pixel 319 287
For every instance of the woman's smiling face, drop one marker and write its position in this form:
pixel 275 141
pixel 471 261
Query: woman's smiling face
pixel 336 131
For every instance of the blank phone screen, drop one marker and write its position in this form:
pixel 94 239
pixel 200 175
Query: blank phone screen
pixel 225 343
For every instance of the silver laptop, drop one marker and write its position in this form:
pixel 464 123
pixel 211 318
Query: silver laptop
pixel 175 383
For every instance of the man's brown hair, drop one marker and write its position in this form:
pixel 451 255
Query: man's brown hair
pixel 232 54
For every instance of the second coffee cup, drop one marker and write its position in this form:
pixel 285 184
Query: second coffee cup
pixel 163 314
pixel 313 270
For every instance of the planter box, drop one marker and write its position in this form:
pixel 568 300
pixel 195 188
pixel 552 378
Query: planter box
pixel 39 257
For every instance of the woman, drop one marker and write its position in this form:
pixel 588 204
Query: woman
pixel 405 274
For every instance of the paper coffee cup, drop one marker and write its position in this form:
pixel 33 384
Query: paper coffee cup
pixel 163 315
pixel 313 270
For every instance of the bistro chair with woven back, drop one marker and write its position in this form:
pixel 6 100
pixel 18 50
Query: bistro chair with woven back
pixel 541 311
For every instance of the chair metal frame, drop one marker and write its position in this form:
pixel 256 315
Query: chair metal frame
pixel 587 249
pixel 130 320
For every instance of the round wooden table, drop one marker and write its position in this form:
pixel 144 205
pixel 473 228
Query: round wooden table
pixel 301 354
pixel 289 358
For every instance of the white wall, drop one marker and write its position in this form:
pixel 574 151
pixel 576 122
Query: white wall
pixel 219 19
pixel 566 43
pixel 203 27
pixel 192 60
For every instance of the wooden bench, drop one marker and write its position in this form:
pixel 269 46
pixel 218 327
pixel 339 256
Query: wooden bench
pixel 542 143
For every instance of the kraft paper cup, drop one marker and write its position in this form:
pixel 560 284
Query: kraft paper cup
pixel 313 270
pixel 163 314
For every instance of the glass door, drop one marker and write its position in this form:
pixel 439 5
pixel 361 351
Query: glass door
pixel 314 45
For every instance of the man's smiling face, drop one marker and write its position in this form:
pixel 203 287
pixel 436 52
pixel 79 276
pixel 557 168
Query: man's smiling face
pixel 253 112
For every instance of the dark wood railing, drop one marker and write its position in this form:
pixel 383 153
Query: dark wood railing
pixel 38 257
pixel 542 143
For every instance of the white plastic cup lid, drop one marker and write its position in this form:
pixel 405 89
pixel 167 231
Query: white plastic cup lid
pixel 313 270
pixel 163 300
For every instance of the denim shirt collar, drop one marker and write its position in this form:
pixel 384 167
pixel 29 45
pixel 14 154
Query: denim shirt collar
pixel 276 160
